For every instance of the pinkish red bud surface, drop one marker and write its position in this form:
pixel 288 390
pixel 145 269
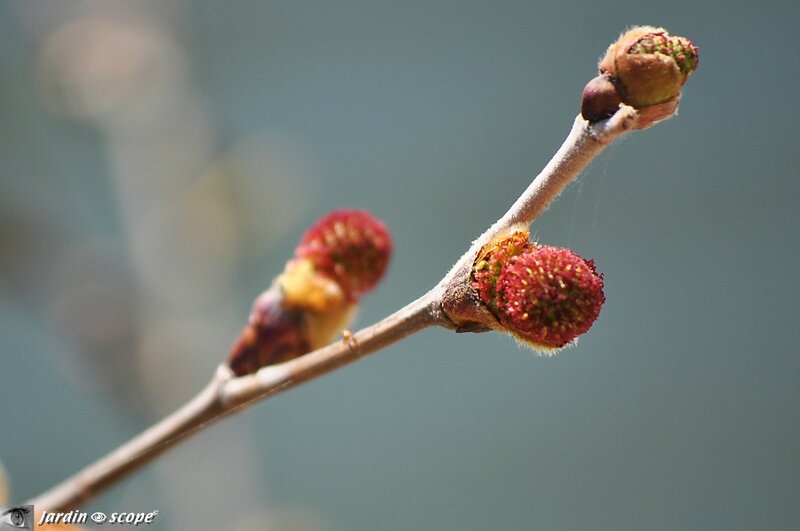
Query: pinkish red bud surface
pixel 545 296
pixel 549 296
pixel 351 247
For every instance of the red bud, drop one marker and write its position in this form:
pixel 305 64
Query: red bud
pixel 351 247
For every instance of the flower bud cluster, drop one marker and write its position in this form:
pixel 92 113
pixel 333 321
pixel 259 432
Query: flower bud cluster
pixel 340 258
pixel 544 296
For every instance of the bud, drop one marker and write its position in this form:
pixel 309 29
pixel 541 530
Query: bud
pixel 490 263
pixel 304 287
pixel 338 259
pixel 273 334
pixel 650 65
pixel 544 296
pixel 350 247
pixel 600 99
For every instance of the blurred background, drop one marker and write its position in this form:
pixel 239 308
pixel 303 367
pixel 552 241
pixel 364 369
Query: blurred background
pixel 159 161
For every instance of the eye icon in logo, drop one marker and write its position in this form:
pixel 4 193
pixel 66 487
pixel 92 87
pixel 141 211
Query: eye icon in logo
pixel 17 517
pixel 98 517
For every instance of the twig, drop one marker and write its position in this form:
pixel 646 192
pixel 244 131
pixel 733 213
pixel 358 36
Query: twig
pixel 84 485
pixel 225 395
pixel 449 304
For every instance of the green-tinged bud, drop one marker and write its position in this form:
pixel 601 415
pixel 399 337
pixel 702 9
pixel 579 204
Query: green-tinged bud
pixel 650 65
pixel 647 68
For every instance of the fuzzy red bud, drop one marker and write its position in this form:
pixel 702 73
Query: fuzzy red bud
pixel 339 258
pixel 545 296
pixel 351 247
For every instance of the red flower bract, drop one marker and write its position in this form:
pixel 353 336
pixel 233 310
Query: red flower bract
pixel 548 296
pixel 351 247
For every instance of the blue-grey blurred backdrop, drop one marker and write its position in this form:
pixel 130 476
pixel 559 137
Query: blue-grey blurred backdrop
pixel 159 160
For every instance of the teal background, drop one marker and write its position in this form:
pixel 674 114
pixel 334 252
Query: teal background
pixel 680 409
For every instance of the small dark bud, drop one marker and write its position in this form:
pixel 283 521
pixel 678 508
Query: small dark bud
pixel 600 99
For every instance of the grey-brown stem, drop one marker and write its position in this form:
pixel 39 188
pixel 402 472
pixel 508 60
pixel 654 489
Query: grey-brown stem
pixel 140 450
